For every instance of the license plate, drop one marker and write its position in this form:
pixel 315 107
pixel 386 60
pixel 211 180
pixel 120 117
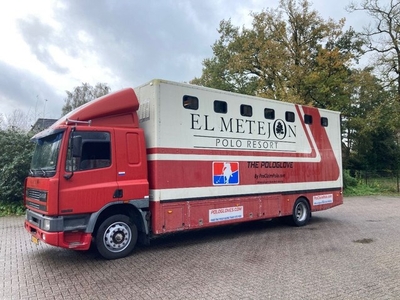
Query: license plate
pixel 35 240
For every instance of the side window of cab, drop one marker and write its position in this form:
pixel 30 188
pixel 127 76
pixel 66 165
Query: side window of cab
pixel 94 151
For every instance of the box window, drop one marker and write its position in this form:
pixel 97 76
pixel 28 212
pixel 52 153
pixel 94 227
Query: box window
pixel 246 110
pixel 308 119
pixel 269 113
pixel 220 107
pixel 324 122
pixel 289 116
pixel 190 102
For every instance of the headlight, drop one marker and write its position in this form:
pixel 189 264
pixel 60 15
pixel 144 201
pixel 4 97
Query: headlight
pixel 46 225
pixel 43 196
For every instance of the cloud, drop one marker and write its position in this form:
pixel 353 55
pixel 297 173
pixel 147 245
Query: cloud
pixel 142 40
pixel 21 89
pixel 121 43
pixel 40 37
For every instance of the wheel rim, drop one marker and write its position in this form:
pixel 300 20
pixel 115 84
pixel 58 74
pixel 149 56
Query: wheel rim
pixel 301 212
pixel 117 237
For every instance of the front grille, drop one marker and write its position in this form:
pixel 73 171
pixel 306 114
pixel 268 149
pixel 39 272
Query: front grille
pixel 37 195
pixel 36 206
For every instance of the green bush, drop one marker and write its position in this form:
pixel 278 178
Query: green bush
pixel 348 180
pixel 374 185
pixel 7 209
pixel 15 156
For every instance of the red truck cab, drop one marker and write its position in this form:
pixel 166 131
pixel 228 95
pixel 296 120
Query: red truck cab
pixel 88 175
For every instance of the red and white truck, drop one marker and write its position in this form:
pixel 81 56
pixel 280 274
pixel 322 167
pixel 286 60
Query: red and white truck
pixel 167 157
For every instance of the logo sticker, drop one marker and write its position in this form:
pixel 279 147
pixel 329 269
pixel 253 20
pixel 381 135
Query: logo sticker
pixel 225 173
pixel 225 214
pixel 323 199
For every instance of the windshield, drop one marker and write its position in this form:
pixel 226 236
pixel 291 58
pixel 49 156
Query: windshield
pixel 44 160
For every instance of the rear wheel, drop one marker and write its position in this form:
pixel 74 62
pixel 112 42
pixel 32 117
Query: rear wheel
pixel 116 237
pixel 301 212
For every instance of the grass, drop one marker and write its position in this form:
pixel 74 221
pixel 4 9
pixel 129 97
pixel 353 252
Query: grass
pixel 373 186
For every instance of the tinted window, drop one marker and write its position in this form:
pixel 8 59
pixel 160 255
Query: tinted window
pixel 289 116
pixel 190 102
pixel 220 107
pixel 269 113
pixel 246 110
pixel 95 151
pixel 324 122
pixel 308 119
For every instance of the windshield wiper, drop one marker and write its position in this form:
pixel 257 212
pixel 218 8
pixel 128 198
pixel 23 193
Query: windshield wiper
pixel 44 172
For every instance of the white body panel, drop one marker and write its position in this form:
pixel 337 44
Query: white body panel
pixel 174 133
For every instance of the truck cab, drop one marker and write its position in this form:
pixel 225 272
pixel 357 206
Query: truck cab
pixel 88 179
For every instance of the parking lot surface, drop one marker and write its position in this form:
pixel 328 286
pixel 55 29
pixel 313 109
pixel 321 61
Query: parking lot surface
pixel 349 252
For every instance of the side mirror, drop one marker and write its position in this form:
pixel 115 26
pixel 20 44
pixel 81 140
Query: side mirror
pixel 76 146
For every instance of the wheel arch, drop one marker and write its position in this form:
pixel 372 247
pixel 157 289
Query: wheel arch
pixel 137 215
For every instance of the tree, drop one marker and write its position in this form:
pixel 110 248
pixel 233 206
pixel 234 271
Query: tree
pixel 364 118
pixel 83 94
pixel 290 53
pixel 383 37
pixel 17 120
pixel 2 121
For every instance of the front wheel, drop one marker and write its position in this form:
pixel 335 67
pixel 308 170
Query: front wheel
pixel 301 212
pixel 116 237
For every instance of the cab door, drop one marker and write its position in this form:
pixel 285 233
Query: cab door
pixel 93 182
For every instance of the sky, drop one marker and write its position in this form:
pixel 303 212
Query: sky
pixel 49 47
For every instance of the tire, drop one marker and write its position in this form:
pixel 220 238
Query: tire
pixel 116 237
pixel 301 212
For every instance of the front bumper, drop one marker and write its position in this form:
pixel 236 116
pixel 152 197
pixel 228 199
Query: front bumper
pixel 60 232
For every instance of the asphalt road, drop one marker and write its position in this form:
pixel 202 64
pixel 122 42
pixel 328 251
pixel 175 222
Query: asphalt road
pixel 349 252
